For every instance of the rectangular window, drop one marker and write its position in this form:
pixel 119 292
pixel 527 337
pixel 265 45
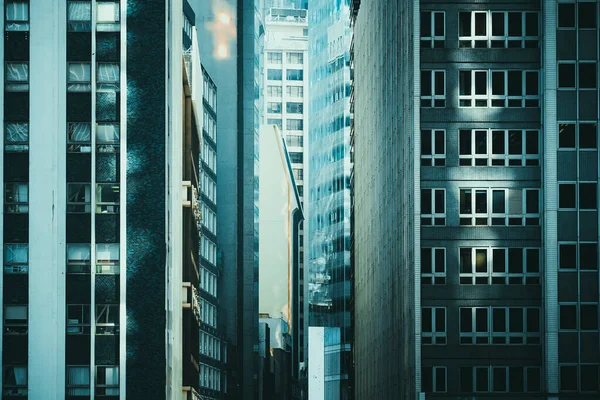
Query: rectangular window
pixel 434 379
pixel 16 136
pixel 108 16
pixel 107 198
pixel 273 57
pixel 79 77
pixel 499 207
pixel 107 319
pixel 79 137
pixel 108 76
pixel 78 319
pixel 568 378
pixel 274 74
pixel 496 88
pixel 16 198
pixel 275 121
pixel 515 325
pixel 273 91
pixel 16 76
pixel 78 258
pixel 294 107
pixel 294 141
pixel 433 326
pixel 107 380
pixel 294 74
pixel 566 15
pixel 493 147
pixel 295 58
pixel 16 258
pixel 14 382
pixel 295 91
pixel 433 88
pixel 474 325
pixel 433 29
pixel 498 29
pixel 294 124
pixel 433 147
pixel 15 320
pixel 499 266
pixel 433 266
pixel 17 16
pixel 433 207
pixel 78 380
pixel 79 198
pixel 273 108
pixel 107 258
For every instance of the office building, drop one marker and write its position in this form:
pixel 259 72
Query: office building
pixel 230 36
pixel 100 151
pixel 476 206
pixel 328 249
pixel 285 105
pixel 276 380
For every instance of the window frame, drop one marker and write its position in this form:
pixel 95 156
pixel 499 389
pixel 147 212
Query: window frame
pixel 15 25
pixel 433 216
pixel 505 277
pixel 433 40
pixel 18 206
pixel 434 277
pixel 491 41
pixel 16 267
pixel 436 99
pixel 505 159
pixel 505 100
pixel 18 146
pixel 434 159
pixel 435 337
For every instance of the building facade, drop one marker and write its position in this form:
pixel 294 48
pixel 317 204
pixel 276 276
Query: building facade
pixel 475 198
pixel 100 217
pixel 286 105
pixel 329 166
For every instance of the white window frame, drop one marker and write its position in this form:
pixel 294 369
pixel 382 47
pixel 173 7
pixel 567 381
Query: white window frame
pixel 434 215
pixel 436 278
pixel 18 266
pixel 489 159
pixel 529 276
pixel 430 41
pixel 434 159
pixel 435 96
pixel 474 337
pixel 491 40
pixel 505 100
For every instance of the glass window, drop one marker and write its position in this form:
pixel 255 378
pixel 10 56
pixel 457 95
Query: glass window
pixel 433 30
pixel 588 317
pixel 588 136
pixel 16 198
pixel 587 74
pixel 274 74
pixel 294 107
pixel 107 198
pixel 567 256
pixel 79 198
pixel 17 16
pixel 108 73
pixel 274 108
pixel 589 378
pixel 16 258
pixel 15 320
pixel 566 15
pixel 79 16
pixel 16 75
pixel 568 378
pixel 78 258
pixel 295 91
pixel 586 14
pixel 273 57
pixel 433 88
pixel 274 91
pixel 108 16
pixel 587 196
pixel 78 381
pixel 294 124
pixel 433 147
pixel 588 256
pixel 79 78
pixel 107 380
pixel 79 137
pixel 295 58
pixel 107 133
pixel 566 136
pixel 16 136
pixel 568 316
pixel 566 75
pixel 294 74
pixel 566 195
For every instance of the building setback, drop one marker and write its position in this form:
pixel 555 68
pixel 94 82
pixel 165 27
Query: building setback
pixel 100 151
pixel 475 199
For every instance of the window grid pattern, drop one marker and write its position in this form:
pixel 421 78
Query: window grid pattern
pixel 499 207
pixel 498 29
pixel 499 88
pixel 499 266
pixel 499 147
pixel 500 326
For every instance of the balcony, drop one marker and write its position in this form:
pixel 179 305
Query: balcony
pixel 189 393
pixel 190 299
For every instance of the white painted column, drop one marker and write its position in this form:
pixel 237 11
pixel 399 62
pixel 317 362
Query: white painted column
pixel 2 182
pixel 47 199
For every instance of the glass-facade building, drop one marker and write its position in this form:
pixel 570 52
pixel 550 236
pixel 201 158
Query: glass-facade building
pixel 328 169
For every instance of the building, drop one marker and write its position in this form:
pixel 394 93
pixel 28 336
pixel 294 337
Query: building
pixel 325 362
pixel 285 105
pixel 329 166
pixel 476 222
pixel 276 352
pixel 100 220
pixel 230 37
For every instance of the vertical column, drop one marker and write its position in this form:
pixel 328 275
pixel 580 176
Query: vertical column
pixel 123 205
pixel 47 200
pixel 549 168
pixel 2 191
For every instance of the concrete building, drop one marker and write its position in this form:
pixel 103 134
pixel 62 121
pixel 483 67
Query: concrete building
pixel 101 137
pixel 475 199
pixel 230 35
pixel 329 166
pixel 276 351
pixel 286 105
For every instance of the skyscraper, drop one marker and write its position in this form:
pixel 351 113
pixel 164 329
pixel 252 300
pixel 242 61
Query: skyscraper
pixel 475 181
pixel 328 258
pixel 100 222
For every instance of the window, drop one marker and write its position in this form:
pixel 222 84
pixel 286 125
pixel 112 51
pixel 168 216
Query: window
pixel 294 74
pixel 295 91
pixel 79 198
pixel 273 108
pixel 474 326
pixel 434 379
pixel 433 266
pixel 566 135
pixel 589 377
pixel 499 207
pixel 567 256
pixel 566 15
pixel 107 198
pixel 294 107
pixel 433 207
pixel 585 78
pixel 567 317
pixel 16 77
pixel 588 135
pixel 16 258
pixel 107 319
pixel 566 75
pixel 588 317
pixel 294 124
pixel 78 319
pixel 273 58
pixel 275 121
pixel 16 136
pixel 273 91
pixel 107 76
pixel 586 15
pixel 107 137
pixel 107 380
pixel 433 29
pixel 17 16
pixel 107 258
pixel 274 74
pixel 78 258
pixel 79 137
pixel 16 198
pixel 568 378
pixel 295 58
pixel 499 266
pixel 294 141
pixel 433 326
pixel 498 29
pixel 515 325
pixel 78 380
pixel 296 158
pixel 107 16
pixel 15 320
pixel 433 88
pixel 567 195
pixel 588 256
pixel 79 77
pixel 587 196
pixel 495 88
pixel 433 147
pixel 14 381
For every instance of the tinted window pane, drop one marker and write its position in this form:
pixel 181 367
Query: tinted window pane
pixel 587 15
pixel 587 75
pixel 497 24
pixel 587 196
pixel 426 142
pixel 587 136
pixel 426 83
pixel 568 317
pixel 465 24
pixel 426 260
pixel 465 142
pixel 465 83
pixel 588 256
pixel 439 24
pixel 439 201
pixel 426 24
pixel 589 317
pixel 566 15
pixel 566 136
pixel 426 201
pixel 568 377
pixel 568 256
pixel 566 195
pixel 566 75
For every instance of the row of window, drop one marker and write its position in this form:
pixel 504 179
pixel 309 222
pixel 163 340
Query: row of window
pixel 210 93
pixel 208 313
pixel 209 187
pixel 210 345
pixel 499 379
pixel 208 250
pixel 483 207
pixel 292 57
pixel 291 91
pixel 291 107
pixel 577 75
pixel 294 140
pixel 208 281
pixel 210 126
pixel 209 156
pixel 578 256
pixel 210 377
pixel 580 195
pixel 290 74
pixel 291 124
pixel 483 29
pixel 209 219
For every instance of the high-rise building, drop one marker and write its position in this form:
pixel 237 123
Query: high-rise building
pixel 100 151
pixel 230 36
pixel 328 249
pixel 286 105
pixel 475 195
